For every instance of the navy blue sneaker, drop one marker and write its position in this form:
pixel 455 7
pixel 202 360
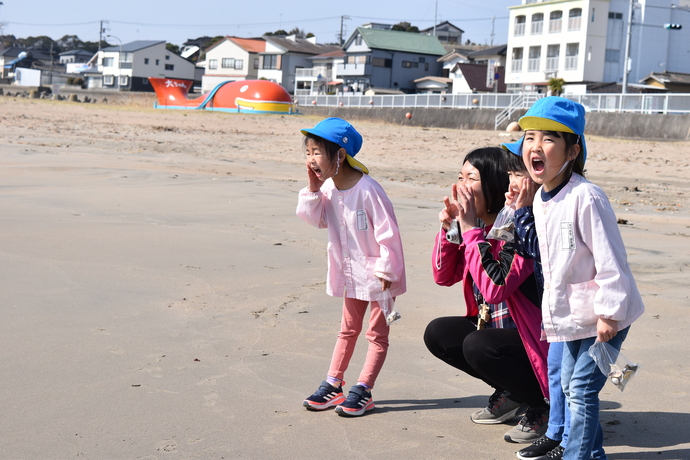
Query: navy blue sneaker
pixel 357 403
pixel 326 396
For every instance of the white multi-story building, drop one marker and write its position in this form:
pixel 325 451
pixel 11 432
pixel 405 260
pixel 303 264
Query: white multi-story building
pixel 583 41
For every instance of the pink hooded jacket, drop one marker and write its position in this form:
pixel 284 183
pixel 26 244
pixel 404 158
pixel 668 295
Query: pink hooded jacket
pixel 499 274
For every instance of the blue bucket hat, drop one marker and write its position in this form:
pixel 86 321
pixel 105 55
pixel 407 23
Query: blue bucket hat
pixel 556 113
pixel 340 132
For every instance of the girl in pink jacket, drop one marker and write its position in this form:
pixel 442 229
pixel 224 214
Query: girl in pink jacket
pixel 365 256
pixel 505 351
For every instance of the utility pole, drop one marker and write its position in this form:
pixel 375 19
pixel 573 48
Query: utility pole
pixel 342 18
pixel 626 61
pixel 100 33
pixel 493 20
pixel 435 15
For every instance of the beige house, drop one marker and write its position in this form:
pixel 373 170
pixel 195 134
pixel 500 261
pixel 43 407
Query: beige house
pixel 231 59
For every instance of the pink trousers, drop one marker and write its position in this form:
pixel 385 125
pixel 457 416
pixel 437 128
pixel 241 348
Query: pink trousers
pixel 350 327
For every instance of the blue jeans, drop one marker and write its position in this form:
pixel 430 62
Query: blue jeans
pixel 559 414
pixel 582 381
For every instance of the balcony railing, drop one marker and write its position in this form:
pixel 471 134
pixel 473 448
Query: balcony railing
pixel 555 26
pixel 519 29
pixel 125 65
pixel 516 66
pixel 575 23
pixel 571 62
pixel 533 65
pixel 313 72
pixel 347 70
pixel 551 64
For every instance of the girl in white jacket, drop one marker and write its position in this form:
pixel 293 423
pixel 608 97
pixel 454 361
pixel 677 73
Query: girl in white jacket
pixel 589 291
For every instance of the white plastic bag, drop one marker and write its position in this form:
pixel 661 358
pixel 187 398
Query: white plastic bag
pixel 613 364
pixel 385 301
pixel 503 226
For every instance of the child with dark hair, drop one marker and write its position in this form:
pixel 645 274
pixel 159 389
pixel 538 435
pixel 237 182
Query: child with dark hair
pixel 589 293
pixel 365 256
pixel 498 339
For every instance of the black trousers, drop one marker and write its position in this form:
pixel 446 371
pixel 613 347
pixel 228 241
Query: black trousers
pixel 496 356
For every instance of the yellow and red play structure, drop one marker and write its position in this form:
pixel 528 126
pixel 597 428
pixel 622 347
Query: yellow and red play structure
pixel 245 96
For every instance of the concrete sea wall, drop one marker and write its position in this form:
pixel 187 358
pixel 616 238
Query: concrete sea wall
pixel 619 125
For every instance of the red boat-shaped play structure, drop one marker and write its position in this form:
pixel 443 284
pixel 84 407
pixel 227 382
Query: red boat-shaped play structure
pixel 245 96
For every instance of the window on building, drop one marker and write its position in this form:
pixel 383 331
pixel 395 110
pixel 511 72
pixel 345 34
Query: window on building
pixel 519 26
pixel 169 67
pixel 146 61
pixel 612 55
pixel 108 80
pixel 555 21
pixel 422 60
pixel 109 62
pixel 537 23
pixel 575 19
pixel 613 15
pixel 256 63
pixel 516 65
pixel 358 40
pixel 167 57
pixel 534 58
pixel 124 80
pixel 158 61
pixel 126 57
pixel 228 63
pixel 381 62
pixel 270 61
pixel 239 64
pixel 145 81
pixel 552 55
pixel 213 64
pixel 572 51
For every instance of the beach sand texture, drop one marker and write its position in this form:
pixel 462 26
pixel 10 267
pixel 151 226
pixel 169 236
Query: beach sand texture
pixel 160 299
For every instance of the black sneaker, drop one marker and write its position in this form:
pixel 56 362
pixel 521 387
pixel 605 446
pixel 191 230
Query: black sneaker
pixel 556 454
pixel 357 403
pixel 326 396
pixel 532 426
pixel 539 448
pixel 500 409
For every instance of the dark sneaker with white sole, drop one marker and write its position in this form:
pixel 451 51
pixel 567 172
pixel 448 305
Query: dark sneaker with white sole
pixel 538 449
pixel 326 396
pixel 357 403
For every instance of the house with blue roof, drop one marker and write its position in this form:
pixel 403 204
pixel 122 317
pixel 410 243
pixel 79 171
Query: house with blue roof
pixel 127 67
pixel 388 59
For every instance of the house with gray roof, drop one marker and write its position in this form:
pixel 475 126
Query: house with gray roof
pixel 388 59
pixel 285 54
pixel 129 66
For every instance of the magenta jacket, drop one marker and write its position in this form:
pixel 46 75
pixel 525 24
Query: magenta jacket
pixel 499 273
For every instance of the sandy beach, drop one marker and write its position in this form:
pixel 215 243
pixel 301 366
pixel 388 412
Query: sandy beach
pixel 161 300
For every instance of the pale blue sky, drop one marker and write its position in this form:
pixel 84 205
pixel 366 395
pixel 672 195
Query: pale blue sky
pixel 176 21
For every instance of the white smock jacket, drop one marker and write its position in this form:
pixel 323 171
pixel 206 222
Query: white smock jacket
pixel 586 272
